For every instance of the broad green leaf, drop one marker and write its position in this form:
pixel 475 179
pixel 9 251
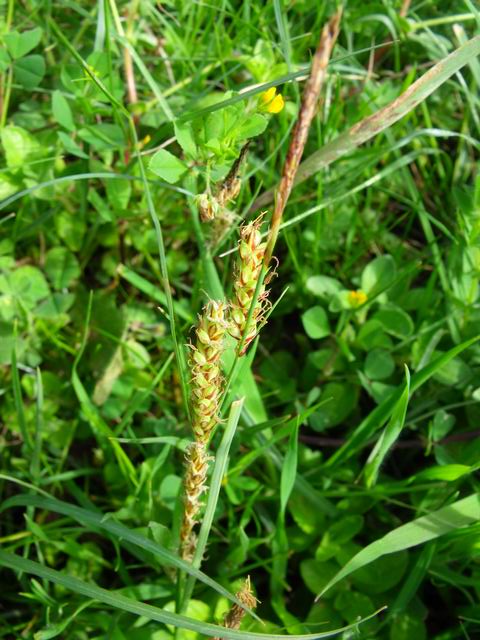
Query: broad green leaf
pixel 7 186
pixel 55 305
pixel 307 516
pixel 316 574
pixel 382 575
pixel 61 111
pixel 196 609
pixel 29 71
pixel 455 372
pixel 27 284
pixel 118 601
pixel 395 321
pixel 407 627
pixel 19 44
pixel 389 436
pixel 253 126
pixel 441 424
pixel 71 146
pixel 456 515
pixel 19 146
pixel 184 135
pixel 167 166
pixel 61 266
pixel 118 193
pixel 340 400
pixel 378 275
pixel 4 60
pixel 104 136
pixel 379 364
pixel 352 604
pixel 341 532
pixel 315 322
pixel 323 286
pixel 71 227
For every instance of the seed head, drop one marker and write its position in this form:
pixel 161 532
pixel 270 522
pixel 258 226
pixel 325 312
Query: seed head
pixel 236 614
pixel 207 380
pixel 229 191
pixel 195 485
pixel 208 206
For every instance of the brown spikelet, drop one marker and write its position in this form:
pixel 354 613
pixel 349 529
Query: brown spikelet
pixel 208 206
pixel 247 272
pixel 236 614
pixel 207 380
pixel 230 187
pixel 195 485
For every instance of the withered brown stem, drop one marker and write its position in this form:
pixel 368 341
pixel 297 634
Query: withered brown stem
pixel 302 126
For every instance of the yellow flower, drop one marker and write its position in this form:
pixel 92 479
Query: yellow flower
pixel 276 105
pixel 268 95
pixel 357 298
pixel 271 101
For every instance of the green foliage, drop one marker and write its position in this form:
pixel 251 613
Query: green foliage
pixel 347 455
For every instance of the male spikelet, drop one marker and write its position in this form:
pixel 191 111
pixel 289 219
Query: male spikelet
pixel 236 614
pixel 247 272
pixel 207 380
pixel 195 485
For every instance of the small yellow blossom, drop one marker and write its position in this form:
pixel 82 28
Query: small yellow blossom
pixel 268 95
pixel 271 101
pixel 357 298
pixel 276 105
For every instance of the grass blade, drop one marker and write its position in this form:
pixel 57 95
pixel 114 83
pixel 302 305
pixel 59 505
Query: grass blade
pixel 152 291
pixel 389 435
pixel 100 428
pixel 102 175
pixel 380 414
pixel 414 579
pixel 17 396
pixel 118 601
pixel 94 521
pixel 384 118
pixel 289 469
pixel 458 514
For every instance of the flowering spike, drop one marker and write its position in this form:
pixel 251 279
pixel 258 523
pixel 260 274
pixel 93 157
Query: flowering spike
pixel 195 485
pixel 248 269
pixel 207 381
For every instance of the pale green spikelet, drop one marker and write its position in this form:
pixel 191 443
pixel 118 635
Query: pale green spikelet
pixel 194 486
pixel 247 272
pixel 205 364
